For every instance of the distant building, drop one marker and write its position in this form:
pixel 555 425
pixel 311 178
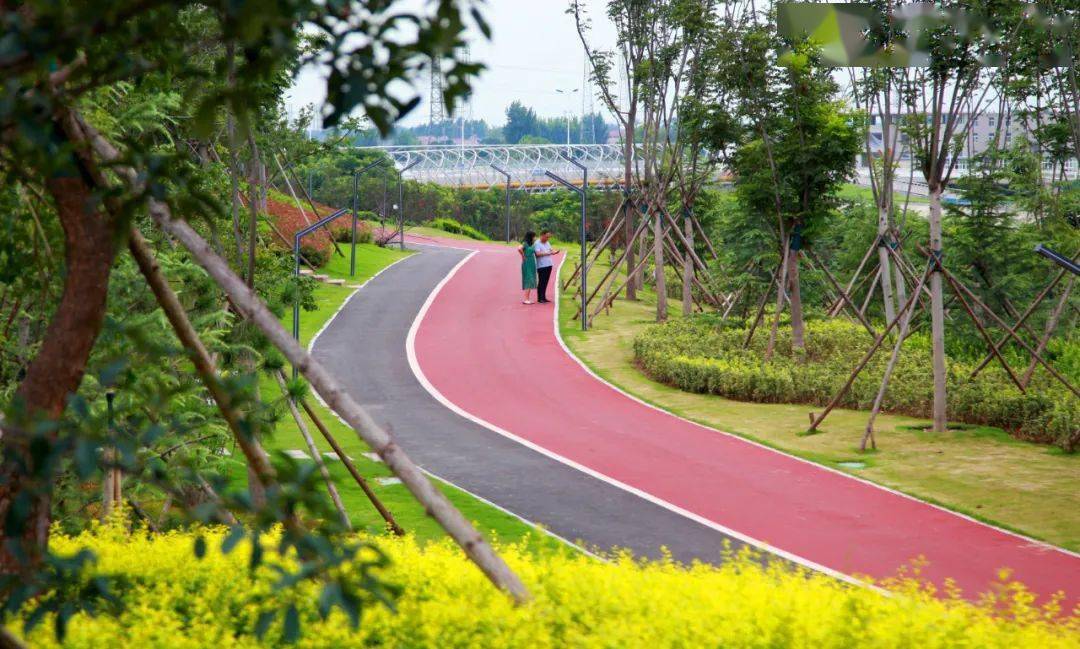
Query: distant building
pixel 614 136
pixel 976 141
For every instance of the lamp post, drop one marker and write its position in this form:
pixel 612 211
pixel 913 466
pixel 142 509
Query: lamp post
pixel 506 174
pixel 401 202
pixel 584 201
pixel 568 94
pixel 1058 258
pixel 300 234
pixel 356 209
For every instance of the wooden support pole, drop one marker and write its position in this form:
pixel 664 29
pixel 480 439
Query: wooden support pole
pixel 614 267
pixel 347 461
pixel 761 308
pixel 336 397
pixel 204 364
pixel 854 276
pixel 843 295
pixel 704 237
pixel 610 296
pixel 596 250
pixel 982 330
pixel 316 456
pixel 685 262
pixel 816 421
pixel 1001 323
pixel 1051 324
pixel 879 398
pixel 1031 309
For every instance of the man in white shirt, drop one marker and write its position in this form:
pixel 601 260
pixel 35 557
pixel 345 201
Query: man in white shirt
pixel 544 264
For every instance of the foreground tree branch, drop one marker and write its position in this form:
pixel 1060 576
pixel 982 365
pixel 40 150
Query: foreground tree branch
pixel 333 393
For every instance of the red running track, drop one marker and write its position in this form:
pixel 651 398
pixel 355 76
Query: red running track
pixel 501 362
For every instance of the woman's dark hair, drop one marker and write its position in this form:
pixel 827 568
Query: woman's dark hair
pixel 530 236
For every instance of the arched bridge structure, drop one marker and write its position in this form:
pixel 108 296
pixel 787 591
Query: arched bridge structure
pixel 483 166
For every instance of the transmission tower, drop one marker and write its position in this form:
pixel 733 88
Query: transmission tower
pixel 435 99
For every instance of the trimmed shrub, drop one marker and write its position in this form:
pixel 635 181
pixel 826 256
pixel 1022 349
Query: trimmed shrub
pixel 454 227
pixel 317 255
pixel 700 355
pixel 170 599
pixel 342 229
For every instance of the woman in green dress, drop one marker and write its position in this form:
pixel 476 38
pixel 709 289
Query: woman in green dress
pixel 528 266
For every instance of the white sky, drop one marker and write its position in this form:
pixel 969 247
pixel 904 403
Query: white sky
pixel 533 51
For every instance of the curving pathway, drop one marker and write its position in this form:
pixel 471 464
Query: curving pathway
pixel 572 437
pixel 365 344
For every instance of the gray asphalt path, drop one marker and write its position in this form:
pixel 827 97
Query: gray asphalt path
pixel 364 346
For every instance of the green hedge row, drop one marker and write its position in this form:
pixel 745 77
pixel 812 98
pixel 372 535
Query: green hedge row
pixel 454 227
pixel 700 355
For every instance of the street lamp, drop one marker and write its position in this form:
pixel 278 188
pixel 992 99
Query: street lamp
pixel 568 94
pixel 506 174
pixel 401 202
pixel 300 234
pixel 356 209
pixel 581 191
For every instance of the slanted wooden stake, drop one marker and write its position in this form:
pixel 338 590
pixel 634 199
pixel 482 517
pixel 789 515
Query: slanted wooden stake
pixel 331 488
pixel 816 421
pixel 1051 324
pixel 333 393
pixel 880 397
pixel 347 461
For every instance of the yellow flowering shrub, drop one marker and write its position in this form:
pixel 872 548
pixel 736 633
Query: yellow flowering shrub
pixel 173 599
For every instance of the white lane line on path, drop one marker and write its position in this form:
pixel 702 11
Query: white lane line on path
pixel 311 345
pixel 422 378
pixel 1027 539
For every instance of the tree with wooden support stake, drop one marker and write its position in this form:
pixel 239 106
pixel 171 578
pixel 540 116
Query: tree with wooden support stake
pixel 967 299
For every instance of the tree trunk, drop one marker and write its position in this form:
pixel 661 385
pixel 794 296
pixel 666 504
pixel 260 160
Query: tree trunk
pixel 937 314
pixel 883 261
pixel 254 198
pixel 58 368
pixel 628 221
pixel 798 328
pixel 771 345
pixel 658 267
pixel 901 285
pixel 688 269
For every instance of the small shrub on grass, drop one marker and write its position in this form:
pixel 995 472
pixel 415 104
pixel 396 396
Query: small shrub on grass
pixel 454 227
pixel 316 255
pixel 173 600
pixel 342 229
pixel 700 355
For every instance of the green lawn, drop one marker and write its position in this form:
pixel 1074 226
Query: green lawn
pixel 409 514
pixel 851 191
pixel 982 472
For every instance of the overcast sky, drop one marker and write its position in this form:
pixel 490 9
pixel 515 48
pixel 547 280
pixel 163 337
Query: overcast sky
pixel 534 50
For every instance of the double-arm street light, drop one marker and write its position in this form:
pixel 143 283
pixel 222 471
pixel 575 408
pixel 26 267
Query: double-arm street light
pixel 581 191
pixel 356 209
pixel 568 93
pixel 401 202
pixel 300 234
pixel 505 174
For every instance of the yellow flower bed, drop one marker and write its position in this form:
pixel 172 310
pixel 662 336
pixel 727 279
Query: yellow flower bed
pixel 176 600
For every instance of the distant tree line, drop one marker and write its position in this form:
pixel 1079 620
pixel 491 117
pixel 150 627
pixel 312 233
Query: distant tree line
pixel 523 126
